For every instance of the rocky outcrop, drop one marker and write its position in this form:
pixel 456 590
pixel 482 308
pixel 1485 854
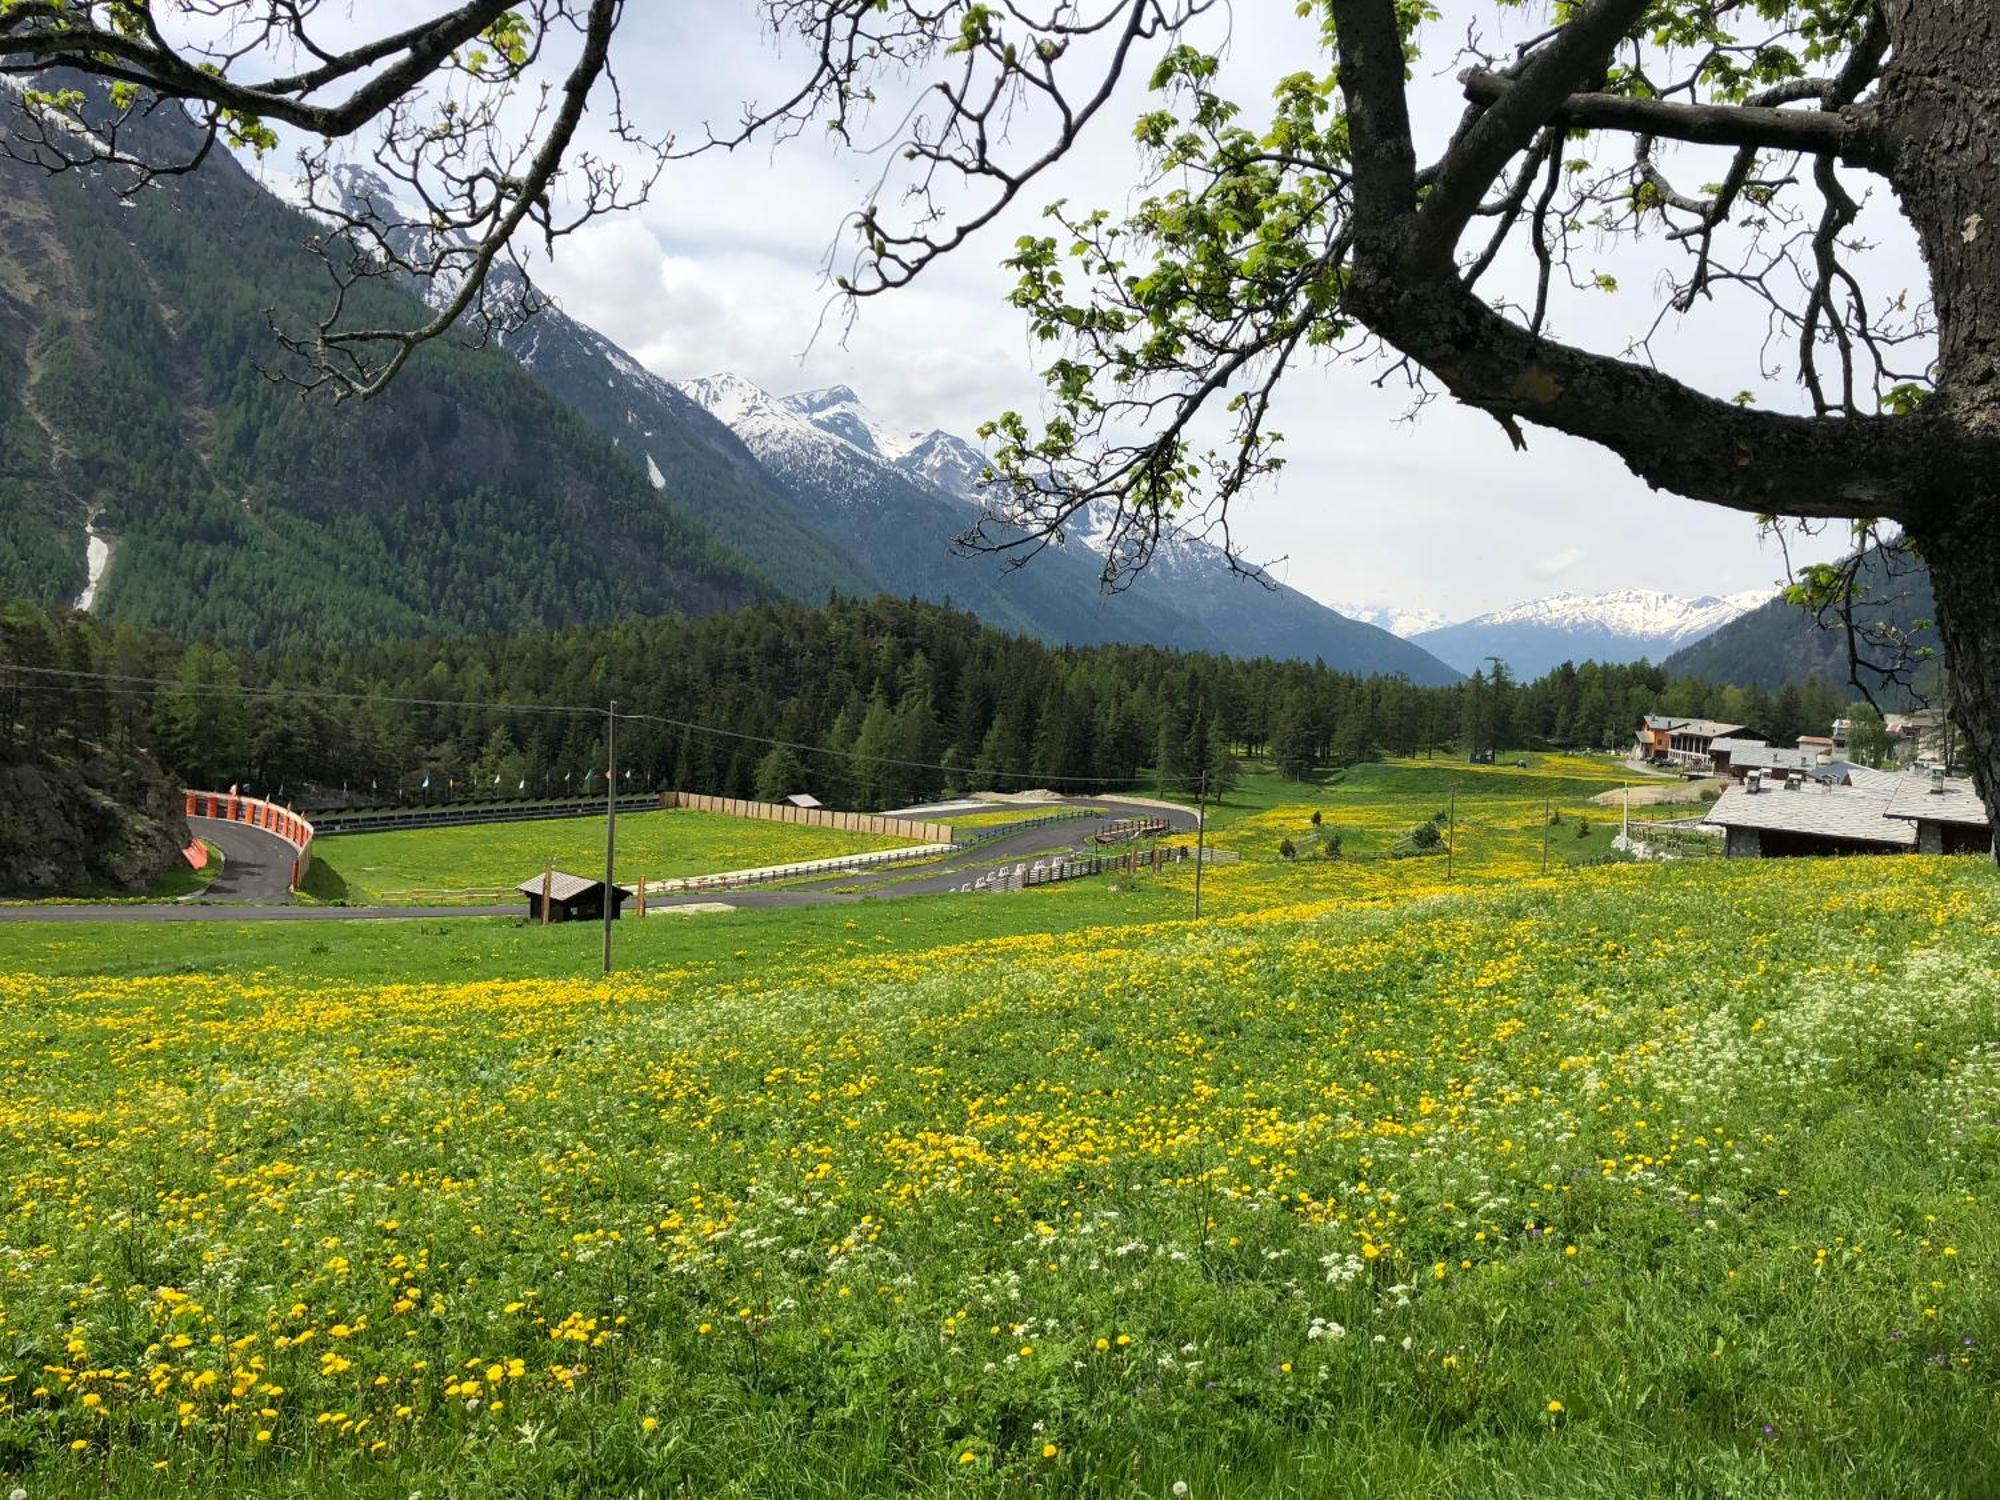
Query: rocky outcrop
pixel 101 821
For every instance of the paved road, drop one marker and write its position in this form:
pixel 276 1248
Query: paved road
pixel 259 873
pixel 256 864
pixel 193 911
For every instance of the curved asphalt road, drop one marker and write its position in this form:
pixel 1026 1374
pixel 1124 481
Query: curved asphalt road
pixel 256 874
pixel 256 864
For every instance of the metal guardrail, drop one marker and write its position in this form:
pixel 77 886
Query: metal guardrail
pixel 1078 867
pixel 734 879
pixel 463 814
pixel 973 837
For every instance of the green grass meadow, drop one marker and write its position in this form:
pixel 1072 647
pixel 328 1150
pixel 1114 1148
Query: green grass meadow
pixel 1626 1180
pixel 484 862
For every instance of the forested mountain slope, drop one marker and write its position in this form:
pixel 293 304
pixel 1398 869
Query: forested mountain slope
pixel 1779 644
pixel 135 359
pixel 691 458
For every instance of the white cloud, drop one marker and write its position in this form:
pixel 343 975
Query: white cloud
pixel 1558 563
pixel 724 270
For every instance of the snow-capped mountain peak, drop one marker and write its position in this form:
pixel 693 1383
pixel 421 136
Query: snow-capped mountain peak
pixel 1620 626
pixel 838 410
pixel 736 402
pixel 1647 614
pixel 947 463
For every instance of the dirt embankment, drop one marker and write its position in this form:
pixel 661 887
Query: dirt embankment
pixel 1705 790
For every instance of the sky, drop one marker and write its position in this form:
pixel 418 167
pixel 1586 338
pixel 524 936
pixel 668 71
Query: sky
pixel 724 269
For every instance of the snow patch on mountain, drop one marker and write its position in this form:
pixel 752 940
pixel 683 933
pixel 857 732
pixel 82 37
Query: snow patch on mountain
pixel 1394 618
pixel 948 463
pixel 1639 614
pixel 97 561
pixel 839 411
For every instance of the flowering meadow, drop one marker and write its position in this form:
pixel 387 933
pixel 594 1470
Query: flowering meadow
pixel 1634 1180
pixel 484 862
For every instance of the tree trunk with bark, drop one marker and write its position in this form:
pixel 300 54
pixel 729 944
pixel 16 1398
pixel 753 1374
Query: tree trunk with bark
pixel 1940 107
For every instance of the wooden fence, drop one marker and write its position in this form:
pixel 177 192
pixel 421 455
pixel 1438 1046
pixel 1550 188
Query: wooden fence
pixel 812 817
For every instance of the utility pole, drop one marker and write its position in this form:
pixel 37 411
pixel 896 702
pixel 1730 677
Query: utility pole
pixel 610 824
pixel 1200 841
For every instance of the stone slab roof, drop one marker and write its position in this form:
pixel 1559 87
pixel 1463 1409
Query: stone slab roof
pixel 1769 758
pixel 1861 778
pixel 1709 728
pixel 1957 803
pixel 1833 812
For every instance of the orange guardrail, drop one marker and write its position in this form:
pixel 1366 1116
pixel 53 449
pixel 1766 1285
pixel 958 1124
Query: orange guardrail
pixel 234 807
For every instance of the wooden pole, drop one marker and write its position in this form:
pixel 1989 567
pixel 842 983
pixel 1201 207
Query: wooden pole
pixel 640 885
pixel 548 890
pixel 610 825
pixel 1200 840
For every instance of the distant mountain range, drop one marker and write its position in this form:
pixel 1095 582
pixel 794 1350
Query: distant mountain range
pixel 1395 618
pixel 550 482
pixel 1625 625
pixel 897 500
pixel 563 484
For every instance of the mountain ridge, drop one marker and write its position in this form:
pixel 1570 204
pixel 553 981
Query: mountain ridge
pixel 466 498
pixel 837 455
pixel 1616 626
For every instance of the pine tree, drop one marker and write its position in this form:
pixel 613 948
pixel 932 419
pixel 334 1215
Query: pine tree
pixel 779 775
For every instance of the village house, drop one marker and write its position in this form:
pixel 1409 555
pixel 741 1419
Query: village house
pixel 1722 752
pixel 1776 763
pixel 1870 812
pixel 1947 813
pixel 1766 820
pixel 1668 739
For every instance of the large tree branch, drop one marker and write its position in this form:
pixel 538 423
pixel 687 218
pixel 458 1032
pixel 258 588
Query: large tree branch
pixel 40 35
pixel 1669 434
pixel 1850 134
pixel 1378 113
pixel 1574 56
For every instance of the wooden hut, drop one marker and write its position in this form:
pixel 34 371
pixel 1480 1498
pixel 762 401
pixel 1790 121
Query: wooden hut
pixel 572 898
